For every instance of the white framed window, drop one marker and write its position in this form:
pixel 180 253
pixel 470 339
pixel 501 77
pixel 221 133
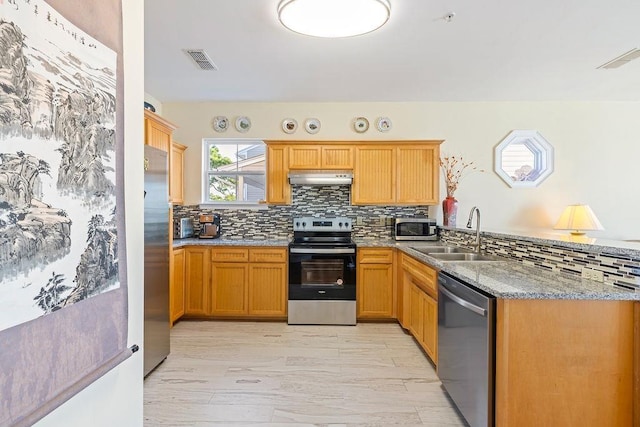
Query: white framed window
pixel 234 171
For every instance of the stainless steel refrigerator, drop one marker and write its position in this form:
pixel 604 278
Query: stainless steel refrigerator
pixel 156 258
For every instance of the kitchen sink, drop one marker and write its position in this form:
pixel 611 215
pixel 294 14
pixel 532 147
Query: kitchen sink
pixel 439 249
pixel 465 257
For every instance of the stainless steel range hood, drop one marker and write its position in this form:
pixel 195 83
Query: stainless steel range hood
pixel 315 177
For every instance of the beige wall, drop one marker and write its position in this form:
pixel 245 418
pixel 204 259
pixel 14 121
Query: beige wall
pixel 597 147
pixel 116 398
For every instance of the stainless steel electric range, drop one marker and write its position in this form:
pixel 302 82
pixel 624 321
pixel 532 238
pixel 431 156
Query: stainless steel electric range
pixel 322 272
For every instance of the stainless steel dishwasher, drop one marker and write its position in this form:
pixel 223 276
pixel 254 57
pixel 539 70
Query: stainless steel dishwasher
pixel 466 348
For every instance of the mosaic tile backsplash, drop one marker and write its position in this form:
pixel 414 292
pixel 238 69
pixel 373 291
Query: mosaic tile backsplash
pixel 275 222
pixel 621 270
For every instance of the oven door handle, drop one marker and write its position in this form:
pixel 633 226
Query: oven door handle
pixel 322 251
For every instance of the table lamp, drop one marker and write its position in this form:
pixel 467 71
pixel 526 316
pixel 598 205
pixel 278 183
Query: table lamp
pixel 578 218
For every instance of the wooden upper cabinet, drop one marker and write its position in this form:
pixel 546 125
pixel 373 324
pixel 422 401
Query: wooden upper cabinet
pixel 337 157
pixel 374 176
pixel 305 157
pixel 158 134
pixel 387 173
pixel 321 157
pixel 417 174
pixel 399 174
pixel 278 188
pixel 176 174
pixel 157 131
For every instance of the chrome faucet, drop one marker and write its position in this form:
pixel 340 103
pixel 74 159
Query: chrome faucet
pixel 478 243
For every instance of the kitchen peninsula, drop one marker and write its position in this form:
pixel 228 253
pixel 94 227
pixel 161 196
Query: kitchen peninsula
pixel 555 333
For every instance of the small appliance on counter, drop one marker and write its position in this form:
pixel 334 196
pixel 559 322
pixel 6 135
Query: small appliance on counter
pixel 417 228
pixel 182 228
pixel 209 226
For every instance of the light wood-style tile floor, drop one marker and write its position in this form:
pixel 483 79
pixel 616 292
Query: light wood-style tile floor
pixel 274 374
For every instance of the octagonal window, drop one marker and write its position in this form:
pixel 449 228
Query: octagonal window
pixel 524 158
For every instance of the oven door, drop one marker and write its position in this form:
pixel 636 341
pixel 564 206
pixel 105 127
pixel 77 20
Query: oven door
pixel 322 273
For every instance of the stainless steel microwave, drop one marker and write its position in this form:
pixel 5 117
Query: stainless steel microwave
pixel 415 229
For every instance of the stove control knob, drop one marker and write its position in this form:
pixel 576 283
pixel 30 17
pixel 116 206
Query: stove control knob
pixel 304 224
pixel 346 224
pixel 298 224
pixel 340 224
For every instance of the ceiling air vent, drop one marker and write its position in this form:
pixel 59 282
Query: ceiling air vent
pixel 201 59
pixel 622 59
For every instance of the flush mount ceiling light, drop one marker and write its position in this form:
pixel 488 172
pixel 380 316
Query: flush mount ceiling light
pixel 333 18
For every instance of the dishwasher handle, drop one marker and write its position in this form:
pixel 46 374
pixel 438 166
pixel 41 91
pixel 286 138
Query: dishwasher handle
pixel 464 303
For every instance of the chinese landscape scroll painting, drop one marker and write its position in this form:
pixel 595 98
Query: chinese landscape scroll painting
pixel 58 240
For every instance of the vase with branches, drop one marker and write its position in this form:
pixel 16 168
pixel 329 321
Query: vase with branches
pixel 454 168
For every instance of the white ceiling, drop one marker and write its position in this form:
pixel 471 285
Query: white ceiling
pixel 493 50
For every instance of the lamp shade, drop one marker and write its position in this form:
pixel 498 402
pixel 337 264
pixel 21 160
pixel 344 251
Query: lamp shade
pixel 333 18
pixel 578 218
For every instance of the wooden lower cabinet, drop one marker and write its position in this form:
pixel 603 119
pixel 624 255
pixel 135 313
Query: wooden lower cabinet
pixel 267 289
pixel 565 363
pixel 197 283
pixel 248 282
pixel 430 327
pixel 229 289
pixel 418 303
pixel 375 287
pixel 177 290
pixel 416 317
pixel 423 322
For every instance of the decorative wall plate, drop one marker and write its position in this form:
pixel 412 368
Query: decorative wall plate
pixel 220 123
pixel 289 125
pixel 243 124
pixel 360 124
pixel 312 125
pixel 383 124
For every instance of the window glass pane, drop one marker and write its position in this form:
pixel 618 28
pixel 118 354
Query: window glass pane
pixel 236 157
pixel 222 188
pixel 235 171
pixel 240 188
pixel 251 188
pixel 519 162
pixel 223 157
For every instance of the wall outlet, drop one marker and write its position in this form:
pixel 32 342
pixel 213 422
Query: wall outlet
pixel 382 221
pixel 591 274
pixel 359 220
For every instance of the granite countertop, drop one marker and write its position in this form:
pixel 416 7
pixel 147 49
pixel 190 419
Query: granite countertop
pixel 513 280
pixel 178 243
pixel 503 279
